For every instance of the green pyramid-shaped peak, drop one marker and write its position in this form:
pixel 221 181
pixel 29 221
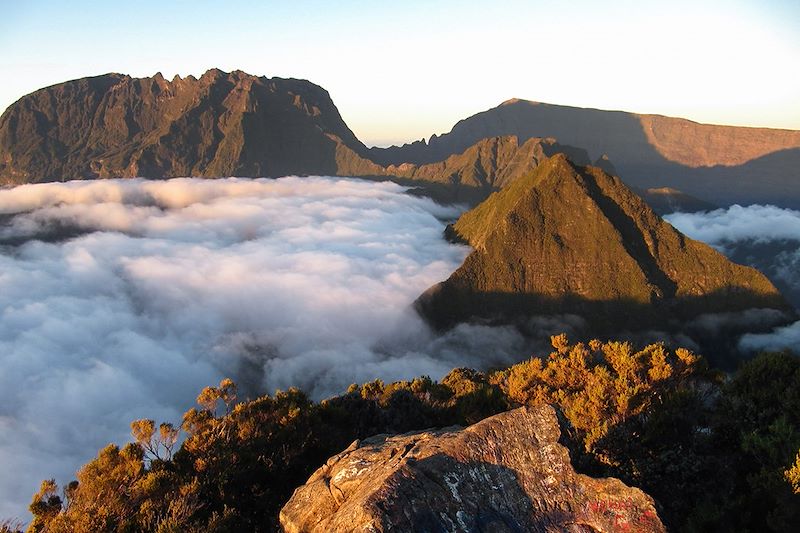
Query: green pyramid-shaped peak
pixel 571 239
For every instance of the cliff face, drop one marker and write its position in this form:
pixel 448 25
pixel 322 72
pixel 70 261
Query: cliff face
pixel 506 473
pixel 219 125
pixel 721 164
pixel 568 239
pixel 707 145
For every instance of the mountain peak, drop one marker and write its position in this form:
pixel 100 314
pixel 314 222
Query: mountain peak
pixel 223 124
pixel 511 101
pixel 212 73
pixel 572 239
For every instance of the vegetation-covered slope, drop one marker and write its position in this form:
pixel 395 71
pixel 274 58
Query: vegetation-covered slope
pixel 717 455
pixel 568 239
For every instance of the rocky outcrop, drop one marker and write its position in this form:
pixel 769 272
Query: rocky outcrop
pixel 574 240
pixel 505 474
pixel 721 164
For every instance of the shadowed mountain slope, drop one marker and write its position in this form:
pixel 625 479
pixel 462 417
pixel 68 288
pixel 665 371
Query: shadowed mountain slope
pixel 469 176
pixel 721 164
pixel 490 164
pixel 567 239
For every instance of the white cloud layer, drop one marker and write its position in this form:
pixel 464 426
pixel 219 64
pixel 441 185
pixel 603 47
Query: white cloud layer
pixel 164 287
pixel 759 223
pixel 763 236
pixel 121 299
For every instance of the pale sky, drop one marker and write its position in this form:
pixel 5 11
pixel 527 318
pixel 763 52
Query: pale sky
pixel 401 71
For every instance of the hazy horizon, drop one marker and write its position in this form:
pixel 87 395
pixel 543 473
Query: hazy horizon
pixel 402 73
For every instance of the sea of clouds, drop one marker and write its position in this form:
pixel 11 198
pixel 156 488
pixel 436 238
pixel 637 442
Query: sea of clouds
pixel 122 299
pixel 764 236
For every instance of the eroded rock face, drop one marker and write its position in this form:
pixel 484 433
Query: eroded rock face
pixel 222 124
pixel 505 473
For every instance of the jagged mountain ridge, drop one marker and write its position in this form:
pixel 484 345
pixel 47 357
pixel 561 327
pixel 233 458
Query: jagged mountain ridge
pixel 222 124
pixel 489 164
pixel 720 164
pixel 496 162
pixel 570 239
pixel 225 124
pixel 470 176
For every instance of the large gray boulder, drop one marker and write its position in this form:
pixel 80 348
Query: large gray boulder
pixel 505 473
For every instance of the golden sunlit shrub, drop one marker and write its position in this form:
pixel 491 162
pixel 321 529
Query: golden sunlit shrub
pixel 716 455
pixel 600 384
pixel 792 475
